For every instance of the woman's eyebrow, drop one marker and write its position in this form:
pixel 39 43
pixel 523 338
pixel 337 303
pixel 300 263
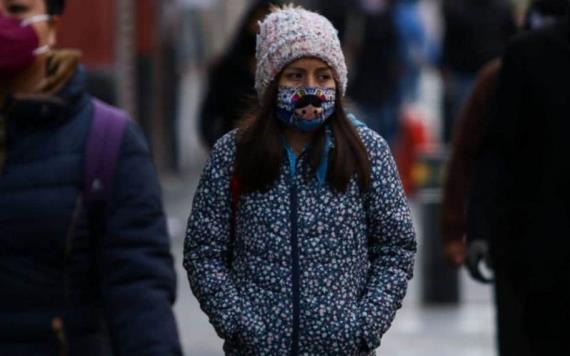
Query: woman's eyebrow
pixel 296 69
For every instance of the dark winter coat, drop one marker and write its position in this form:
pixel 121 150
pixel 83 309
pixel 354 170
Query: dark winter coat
pixel 51 263
pixel 378 66
pixel 476 31
pixel 466 142
pixel 313 271
pixel 229 97
pixel 520 189
pixel 231 81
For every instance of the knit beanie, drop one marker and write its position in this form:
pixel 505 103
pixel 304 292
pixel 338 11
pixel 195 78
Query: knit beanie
pixel 290 33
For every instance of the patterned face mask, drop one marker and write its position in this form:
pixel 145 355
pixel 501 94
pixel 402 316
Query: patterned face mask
pixel 305 108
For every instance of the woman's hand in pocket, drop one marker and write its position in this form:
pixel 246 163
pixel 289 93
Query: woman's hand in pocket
pixel 251 330
pixel 344 333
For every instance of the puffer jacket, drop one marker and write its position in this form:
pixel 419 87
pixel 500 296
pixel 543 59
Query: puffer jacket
pixel 107 291
pixel 313 271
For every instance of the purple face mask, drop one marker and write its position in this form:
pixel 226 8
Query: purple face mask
pixel 18 44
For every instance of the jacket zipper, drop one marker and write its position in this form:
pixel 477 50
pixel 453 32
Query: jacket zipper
pixel 295 269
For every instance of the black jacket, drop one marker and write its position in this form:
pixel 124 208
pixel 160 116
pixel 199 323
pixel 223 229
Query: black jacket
pixel 476 31
pixel 49 265
pixel 378 67
pixel 520 197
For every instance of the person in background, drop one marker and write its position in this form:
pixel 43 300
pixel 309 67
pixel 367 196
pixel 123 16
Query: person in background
pixel 476 31
pixel 466 145
pixel 378 68
pixel 414 47
pixel 231 92
pixel 300 240
pixel 519 195
pixel 77 279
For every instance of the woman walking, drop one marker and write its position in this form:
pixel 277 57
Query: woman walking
pixel 300 241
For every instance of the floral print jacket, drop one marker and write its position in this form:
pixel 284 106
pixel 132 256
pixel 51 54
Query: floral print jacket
pixel 313 271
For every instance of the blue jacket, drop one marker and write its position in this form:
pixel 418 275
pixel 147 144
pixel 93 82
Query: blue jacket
pixel 313 271
pixel 52 265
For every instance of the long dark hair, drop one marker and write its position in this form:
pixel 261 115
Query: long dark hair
pixel 260 149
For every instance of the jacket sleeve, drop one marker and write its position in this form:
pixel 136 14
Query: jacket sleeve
pixel 466 142
pixel 488 205
pixel 208 242
pixel 392 246
pixel 138 279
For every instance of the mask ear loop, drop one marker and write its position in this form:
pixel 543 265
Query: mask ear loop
pixel 35 19
pixel 41 50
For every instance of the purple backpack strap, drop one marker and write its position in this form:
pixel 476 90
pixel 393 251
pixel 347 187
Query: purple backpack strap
pixel 102 151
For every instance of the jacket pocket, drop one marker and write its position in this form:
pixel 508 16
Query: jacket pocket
pixel 251 331
pixel 337 332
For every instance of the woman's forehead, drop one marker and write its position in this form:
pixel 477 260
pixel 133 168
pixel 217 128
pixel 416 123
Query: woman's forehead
pixel 308 63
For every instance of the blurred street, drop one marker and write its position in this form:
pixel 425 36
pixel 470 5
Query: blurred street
pixel 452 86
pixel 464 330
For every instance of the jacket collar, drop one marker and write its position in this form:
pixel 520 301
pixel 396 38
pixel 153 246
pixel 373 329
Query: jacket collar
pixel 56 97
pixel 329 145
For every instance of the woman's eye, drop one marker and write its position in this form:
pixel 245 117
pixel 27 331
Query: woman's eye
pixel 16 9
pixel 294 76
pixel 325 77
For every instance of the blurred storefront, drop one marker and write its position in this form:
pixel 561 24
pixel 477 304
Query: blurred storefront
pixel 143 54
pixel 118 41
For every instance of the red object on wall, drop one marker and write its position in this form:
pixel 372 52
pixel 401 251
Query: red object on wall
pixel 146 10
pixel 89 26
pixel 413 139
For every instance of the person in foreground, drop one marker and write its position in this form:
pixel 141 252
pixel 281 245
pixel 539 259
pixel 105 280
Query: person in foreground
pixel 300 241
pixel 85 269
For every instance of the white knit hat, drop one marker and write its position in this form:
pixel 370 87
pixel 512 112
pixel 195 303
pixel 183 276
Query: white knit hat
pixel 291 33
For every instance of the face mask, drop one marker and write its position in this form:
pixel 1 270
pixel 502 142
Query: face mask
pixel 18 44
pixel 305 108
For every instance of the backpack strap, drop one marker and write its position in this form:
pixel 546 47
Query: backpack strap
pixel 102 152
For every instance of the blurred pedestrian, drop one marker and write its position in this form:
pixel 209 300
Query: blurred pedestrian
pixel 85 265
pixel 378 69
pixel 466 140
pixel 414 47
pixel 476 31
pixel 231 92
pixel 337 12
pixel 300 240
pixel 518 219
pixel 467 136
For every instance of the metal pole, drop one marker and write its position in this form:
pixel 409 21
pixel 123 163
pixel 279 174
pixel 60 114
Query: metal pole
pixel 125 25
pixel 440 282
